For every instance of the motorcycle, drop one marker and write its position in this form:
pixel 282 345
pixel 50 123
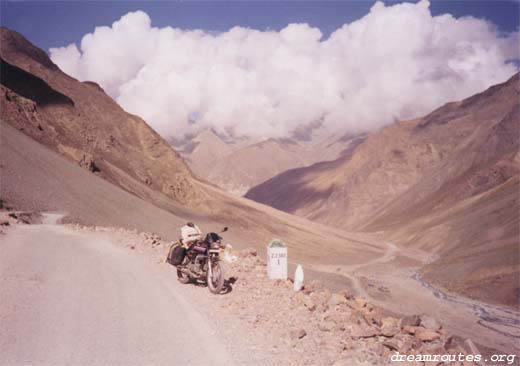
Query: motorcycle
pixel 202 263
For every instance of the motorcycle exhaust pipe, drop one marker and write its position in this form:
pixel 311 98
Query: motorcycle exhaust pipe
pixel 189 272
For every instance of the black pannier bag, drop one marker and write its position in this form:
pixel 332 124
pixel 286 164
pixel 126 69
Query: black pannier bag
pixel 176 254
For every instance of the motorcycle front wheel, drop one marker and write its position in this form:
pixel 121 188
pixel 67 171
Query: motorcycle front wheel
pixel 216 279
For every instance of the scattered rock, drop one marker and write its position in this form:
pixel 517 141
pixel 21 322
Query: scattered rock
pixel 364 331
pixel 390 327
pixel 360 302
pixel 453 341
pixel 430 323
pixel 87 162
pixel 337 299
pixel 392 345
pixel 321 298
pixel 404 342
pixel 309 304
pixel 426 335
pixel 326 326
pixel 409 329
pixel 347 294
pixel 249 252
pixel 313 286
pixel 410 320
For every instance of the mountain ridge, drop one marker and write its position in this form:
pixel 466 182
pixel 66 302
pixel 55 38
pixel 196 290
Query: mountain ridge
pixel 90 126
pixel 405 181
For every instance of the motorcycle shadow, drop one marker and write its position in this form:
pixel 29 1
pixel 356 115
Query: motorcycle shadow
pixel 226 289
pixel 228 285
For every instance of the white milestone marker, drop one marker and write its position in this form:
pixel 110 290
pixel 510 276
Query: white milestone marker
pixel 277 260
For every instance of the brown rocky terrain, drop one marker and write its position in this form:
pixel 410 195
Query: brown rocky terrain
pixel 446 183
pixel 237 166
pixel 81 122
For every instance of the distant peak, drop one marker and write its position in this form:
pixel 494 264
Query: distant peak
pixel 207 135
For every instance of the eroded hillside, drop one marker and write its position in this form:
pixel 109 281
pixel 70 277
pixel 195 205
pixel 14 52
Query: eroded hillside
pixel 428 183
pixel 81 122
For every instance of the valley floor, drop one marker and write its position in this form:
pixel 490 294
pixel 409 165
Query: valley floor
pixel 392 281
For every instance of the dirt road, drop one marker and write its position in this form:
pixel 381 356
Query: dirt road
pixel 75 299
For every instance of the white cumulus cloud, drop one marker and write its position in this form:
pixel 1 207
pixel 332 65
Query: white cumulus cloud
pixel 396 62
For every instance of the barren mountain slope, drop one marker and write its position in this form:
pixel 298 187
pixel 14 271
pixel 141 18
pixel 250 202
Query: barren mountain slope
pixel 237 169
pixel 475 243
pixel 446 183
pixel 81 122
pixel 203 151
pixel 361 190
pixel 253 164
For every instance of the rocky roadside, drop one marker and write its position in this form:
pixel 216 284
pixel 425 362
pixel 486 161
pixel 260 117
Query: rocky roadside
pixel 9 218
pixel 309 327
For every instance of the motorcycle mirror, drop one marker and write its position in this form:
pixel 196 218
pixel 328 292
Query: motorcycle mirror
pixel 224 229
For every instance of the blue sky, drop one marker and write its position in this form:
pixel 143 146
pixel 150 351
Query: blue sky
pixel 382 63
pixel 58 23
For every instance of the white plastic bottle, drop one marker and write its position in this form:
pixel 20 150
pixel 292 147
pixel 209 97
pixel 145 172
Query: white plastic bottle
pixel 298 278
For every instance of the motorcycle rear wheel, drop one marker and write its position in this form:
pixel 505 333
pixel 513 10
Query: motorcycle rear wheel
pixel 216 280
